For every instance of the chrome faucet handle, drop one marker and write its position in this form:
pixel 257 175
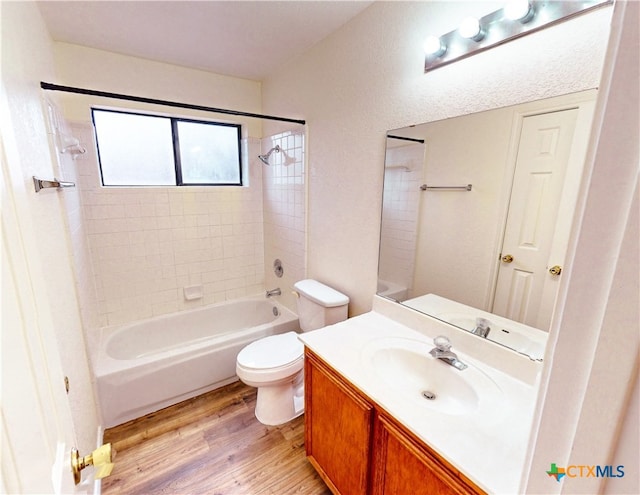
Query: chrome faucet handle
pixel 482 322
pixel 442 343
pixel 482 328
pixel 442 351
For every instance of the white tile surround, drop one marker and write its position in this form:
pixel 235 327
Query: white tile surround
pixel 285 212
pixel 402 178
pixel 79 242
pixel 144 245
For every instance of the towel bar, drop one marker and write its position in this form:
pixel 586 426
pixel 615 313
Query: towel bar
pixel 425 187
pixel 55 183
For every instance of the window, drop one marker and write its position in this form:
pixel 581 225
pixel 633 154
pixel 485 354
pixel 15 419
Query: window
pixel 148 150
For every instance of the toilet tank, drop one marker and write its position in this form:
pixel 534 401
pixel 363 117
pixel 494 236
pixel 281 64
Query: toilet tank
pixel 319 305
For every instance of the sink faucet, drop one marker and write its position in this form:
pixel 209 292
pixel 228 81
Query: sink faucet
pixel 482 327
pixel 274 292
pixel 443 352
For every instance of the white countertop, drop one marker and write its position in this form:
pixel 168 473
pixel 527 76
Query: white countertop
pixel 487 445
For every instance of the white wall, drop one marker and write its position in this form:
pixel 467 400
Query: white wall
pixel 100 70
pixel 368 77
pixel 27 58
pixel 592 360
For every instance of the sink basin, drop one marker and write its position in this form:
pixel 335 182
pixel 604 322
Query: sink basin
pixel 406 366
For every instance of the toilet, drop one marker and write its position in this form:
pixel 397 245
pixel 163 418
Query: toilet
pixel 275 364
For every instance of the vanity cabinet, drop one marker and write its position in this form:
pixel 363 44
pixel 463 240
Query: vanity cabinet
pixel 360 449
pixel 338 425
pixel 404 464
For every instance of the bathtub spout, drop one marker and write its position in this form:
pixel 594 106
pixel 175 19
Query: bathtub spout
pixel 274 292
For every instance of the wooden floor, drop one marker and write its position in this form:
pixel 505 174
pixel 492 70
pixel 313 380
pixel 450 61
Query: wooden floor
pixel 211 444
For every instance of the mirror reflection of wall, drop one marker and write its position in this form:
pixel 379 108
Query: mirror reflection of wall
pixel 459 228
pixel 524 164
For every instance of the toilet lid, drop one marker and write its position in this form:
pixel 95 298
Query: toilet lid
pixel 272 352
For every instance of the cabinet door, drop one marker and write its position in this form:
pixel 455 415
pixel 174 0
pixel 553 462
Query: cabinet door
pixel 338 429
pixel 404 465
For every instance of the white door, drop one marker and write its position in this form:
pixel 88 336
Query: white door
pixel 526 288
pixel 37 428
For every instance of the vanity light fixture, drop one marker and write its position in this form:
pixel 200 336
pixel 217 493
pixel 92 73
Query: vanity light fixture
pixel 519 10
pixel 518 18
pixel 471 29
pixel 434 47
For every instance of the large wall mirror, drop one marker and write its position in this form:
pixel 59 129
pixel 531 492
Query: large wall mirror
pixel 476 216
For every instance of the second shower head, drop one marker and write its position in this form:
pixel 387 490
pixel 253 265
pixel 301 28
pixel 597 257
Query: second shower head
pixel 265 158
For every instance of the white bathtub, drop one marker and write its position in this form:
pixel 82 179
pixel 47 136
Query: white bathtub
pixel 148 365
pixel 392 290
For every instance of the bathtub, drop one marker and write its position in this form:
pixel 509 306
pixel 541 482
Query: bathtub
pixel 148 365
pixel 391 290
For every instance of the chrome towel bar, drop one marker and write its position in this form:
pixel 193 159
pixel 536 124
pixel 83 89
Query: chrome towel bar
pixel 425 187
pixel 55 183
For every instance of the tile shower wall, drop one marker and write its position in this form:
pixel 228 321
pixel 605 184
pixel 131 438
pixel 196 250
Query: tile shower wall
pixel 68 164
pixel 147 244
pixel 402 179
pixel 285 212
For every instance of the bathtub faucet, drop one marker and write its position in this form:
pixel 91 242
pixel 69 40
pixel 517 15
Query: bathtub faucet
pixel 274 292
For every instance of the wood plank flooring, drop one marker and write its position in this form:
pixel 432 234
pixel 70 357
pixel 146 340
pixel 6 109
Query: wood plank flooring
pixel 211 444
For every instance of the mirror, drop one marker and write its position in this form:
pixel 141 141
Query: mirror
pixel 476 216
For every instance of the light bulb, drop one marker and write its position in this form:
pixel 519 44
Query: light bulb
pixel 433 46
pixel 470 28
pixel 519 10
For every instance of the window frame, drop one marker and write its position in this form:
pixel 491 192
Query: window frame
pixel 177 162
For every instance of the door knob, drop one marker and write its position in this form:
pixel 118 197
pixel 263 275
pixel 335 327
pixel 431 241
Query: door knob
pixel 555 270
pixel 507 258
pixel 101 459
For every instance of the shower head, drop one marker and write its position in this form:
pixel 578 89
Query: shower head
pixel 265 158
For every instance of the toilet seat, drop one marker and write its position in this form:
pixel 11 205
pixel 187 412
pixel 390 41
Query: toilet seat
pixel 275 364
pixel 272 352
pixel 271 358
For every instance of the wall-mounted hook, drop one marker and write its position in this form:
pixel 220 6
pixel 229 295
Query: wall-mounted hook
pixel 72 145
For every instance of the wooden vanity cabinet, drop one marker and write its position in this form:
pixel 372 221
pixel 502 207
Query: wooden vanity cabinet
pixel 338 425
pixel 359 449
pixel 404 464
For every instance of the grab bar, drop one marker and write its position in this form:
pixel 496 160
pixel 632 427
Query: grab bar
pixel 425 187
pixel 55 183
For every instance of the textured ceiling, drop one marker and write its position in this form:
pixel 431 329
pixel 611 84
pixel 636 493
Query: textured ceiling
pixel 247 39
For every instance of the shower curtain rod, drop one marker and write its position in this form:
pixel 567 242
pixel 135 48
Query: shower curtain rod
pixel 406 138
pixel 141 99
